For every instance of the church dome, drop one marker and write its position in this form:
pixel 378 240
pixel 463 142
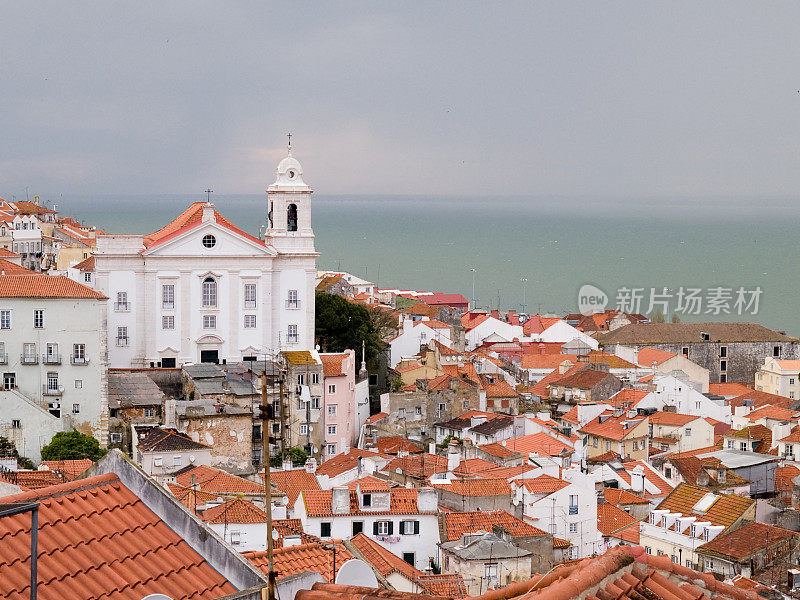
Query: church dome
pixel 290 172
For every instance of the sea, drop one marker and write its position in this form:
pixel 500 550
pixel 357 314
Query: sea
pixel 738 256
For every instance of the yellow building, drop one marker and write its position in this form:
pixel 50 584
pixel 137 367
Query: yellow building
pixel 625 433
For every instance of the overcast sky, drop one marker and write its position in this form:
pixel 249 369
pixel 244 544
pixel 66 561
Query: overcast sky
pixel 622 99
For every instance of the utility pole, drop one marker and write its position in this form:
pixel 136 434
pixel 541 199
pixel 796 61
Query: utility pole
pixel 473 289
pixel 524 281
pixel 266 413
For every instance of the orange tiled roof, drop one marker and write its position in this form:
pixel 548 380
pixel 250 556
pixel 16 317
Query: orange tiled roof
pixel 546 361
pixel 495 449
pixel 396 443
pixel 671 419
pixel 421 465
pixel 377 417
pixel 237 510
pixel 98 540
pixel 613 361
pixel 291 560
pixel 505 472
pixel 543 484
pixel 539 443
pixel 476 487
pixel 745 541
pixel 6 253
pixel 38 286
pixel 760 399
pixel 69 468
pixel 773 412
pixel 611 428
pixel 650 474
pixel 85 265
pixel 369 483
pixel 403 501
pixel 627 398
pixel 615 522
pixel 191 498
pixel 471 466
pixel 784 476
pixel 617 496
pixel 332 364
pixel 211 479
pixel 649 356
pixel 456 524
pixel 725 510
pixel 346 461
pixel 9 268
pixel 189 219
pixel 728 389
pixel 293 482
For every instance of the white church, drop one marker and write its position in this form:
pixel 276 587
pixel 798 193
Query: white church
pixel 202 290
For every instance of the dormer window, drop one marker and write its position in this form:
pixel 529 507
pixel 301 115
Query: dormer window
pixel 291 223
pixel 366 500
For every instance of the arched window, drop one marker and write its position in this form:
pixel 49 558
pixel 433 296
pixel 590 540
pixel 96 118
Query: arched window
pixel 291 224
pixel 209 293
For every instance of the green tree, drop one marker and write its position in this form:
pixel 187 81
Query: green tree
pixel 70 445
pixel 342 325
pixel 297 455
pixel 7 448
pixel 657 317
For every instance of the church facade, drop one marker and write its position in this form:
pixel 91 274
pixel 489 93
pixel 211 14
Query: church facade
pixel 202 290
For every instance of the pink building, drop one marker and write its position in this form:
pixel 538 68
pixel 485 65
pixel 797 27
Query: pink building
pixel 340 411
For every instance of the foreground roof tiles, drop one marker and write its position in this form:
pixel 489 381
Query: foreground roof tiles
pixel 98 540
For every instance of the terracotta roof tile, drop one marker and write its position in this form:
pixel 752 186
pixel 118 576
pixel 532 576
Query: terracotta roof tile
pixel 213 480
pixel 316 557
pixel 158 439
pixel 472 466
pixel 745 541
pixel 725 510
pixel 332 364
pixel 86 264
pixel 544 484
pixel 293 482
pixel 45 286
pixel 346 461
pixel 456 524
pixel 237 510
pixel 496 450
pixel 612 427
pixel 377 417
pixel 9 268
pixel 188 220
pixel 784 476
pixel 69 468
pixel 671 419
pixel 98 540
pixel 418 465
pixel 475 487
pixel 394 444
pixel 615 522
pixel 649 356
pixel 617 497
pixel 538 443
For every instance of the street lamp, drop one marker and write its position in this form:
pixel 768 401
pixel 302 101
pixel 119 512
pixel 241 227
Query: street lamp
pixel 473 288
pixel 524 281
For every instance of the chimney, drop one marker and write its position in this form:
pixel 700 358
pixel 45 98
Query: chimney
pixel 208 213
pixel 340 501
pixel 482 400
pixel 432 448
pixel 564 367
pixel 311 465
pixel 287 464
pixel 453 456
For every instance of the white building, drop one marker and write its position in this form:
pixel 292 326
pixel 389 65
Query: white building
pixel 780 377
pixel 53 354
pixel 565 509
pixel 414 334
pixel 202 290
pixel 404 521
pixel 671 391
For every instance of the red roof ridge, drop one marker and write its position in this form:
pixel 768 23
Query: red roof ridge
pixel 60 489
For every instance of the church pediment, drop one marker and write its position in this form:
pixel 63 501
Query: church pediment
pixel 211 240
pixel 209 339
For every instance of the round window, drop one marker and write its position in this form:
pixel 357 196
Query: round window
pixel 290 173
pixel 209 241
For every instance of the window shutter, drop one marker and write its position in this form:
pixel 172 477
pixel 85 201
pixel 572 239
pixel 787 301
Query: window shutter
pixel 391 527
pixel 375 528
pixel 416 527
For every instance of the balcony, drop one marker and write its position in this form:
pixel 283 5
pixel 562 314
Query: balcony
pixel 573 510
pixel 78 360
pixel 293 304
pixel 27 359
pixel 122 306
pixel 3 358
pixel 168 305
pixel 292 339
pixel 49 390
pixel 51 359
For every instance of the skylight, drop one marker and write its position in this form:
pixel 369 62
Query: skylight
pixel 705 503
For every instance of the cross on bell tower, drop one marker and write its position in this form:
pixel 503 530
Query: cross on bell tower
pixel 289 147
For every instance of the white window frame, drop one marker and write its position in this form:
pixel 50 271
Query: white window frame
pixel 38 318
pixel 5 319
pixel 250 294
pixel 292 334
pixel 209 321
pixel 332 410
pixel 168 295
pixel 383 527
pixel 209 292
pixel 167 321
pixel 249 321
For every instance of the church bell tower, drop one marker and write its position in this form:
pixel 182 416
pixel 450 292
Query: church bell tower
pixel 289 209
